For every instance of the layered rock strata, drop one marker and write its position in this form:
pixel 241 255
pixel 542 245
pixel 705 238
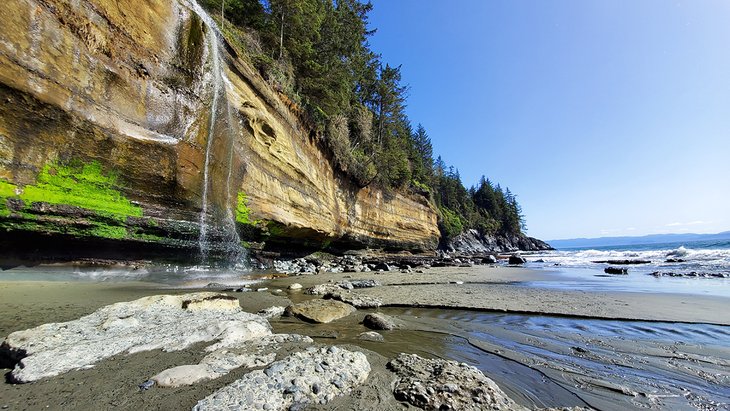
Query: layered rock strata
pixel 144 105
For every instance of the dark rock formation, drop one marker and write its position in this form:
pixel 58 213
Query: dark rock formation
pixel 471 242
pixel 691 274
pixel 616 270
pixel 622 262
pixel 516 260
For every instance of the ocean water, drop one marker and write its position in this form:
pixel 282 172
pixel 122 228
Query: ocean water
pixel 698 267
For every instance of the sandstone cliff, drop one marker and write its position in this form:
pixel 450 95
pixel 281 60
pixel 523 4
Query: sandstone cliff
pixel 131 124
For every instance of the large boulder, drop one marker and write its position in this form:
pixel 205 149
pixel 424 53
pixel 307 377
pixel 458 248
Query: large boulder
pixel 319 311
pixel 516 260
pixel 378 321
pixel 167 322
pixel 446 385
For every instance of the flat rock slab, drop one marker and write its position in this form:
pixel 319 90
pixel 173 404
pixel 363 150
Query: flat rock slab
pixel 250 354
pixel 356 299
pixel 313 376
pixel 446 385
pixel 319 311
pixel 167 322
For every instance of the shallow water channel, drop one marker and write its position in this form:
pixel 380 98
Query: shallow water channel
pixel 549 361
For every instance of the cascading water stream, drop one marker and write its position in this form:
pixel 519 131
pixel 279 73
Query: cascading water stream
pixel 230 243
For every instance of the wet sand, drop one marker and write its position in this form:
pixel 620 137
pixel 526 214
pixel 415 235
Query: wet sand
pixel 502 289
pixel 537 367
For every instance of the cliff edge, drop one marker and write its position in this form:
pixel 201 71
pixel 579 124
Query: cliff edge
pixel 134 124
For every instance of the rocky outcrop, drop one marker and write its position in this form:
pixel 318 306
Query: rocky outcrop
pixel 471 242
pixel 311 377
pixel 253 353
pixel 166 322
pixel 138 104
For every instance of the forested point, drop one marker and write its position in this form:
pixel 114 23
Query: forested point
pixel 316 52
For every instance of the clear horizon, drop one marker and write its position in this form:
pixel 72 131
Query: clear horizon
pixel 605 118
pixel 635 236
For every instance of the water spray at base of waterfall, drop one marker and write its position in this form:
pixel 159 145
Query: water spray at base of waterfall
pixel 218 237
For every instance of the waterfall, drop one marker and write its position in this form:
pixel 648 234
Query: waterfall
pixel 218 234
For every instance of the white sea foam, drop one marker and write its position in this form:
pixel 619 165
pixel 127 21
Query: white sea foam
pixel 693 259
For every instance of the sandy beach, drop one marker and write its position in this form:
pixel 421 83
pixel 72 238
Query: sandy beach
pixel 459 307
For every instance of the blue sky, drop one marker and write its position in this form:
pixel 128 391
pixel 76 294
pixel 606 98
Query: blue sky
pixel 604 117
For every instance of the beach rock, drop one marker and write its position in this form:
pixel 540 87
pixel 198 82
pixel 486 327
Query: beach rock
pixel 377 321
pixel 674 260
pixel 295 287
pixel 356 300
pixel 319 311
pixel 371 336
pixel 446 385
pixel 167 322
pixel 691 274
pixel 616 270
pixel 323 289
pixel 271 312
pixel 364 283
pixel 314 376
pixel 490 259
pixel 516 260
pixel 249 354
pixel 183 375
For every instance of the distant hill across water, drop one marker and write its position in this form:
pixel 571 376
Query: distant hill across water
pixel 647 239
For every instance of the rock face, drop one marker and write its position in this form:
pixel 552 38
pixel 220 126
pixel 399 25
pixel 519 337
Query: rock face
pixel 471 242
pixel 320 311
pixel 137 102
pixel 164 322
pixel 446 385
pixel 314 376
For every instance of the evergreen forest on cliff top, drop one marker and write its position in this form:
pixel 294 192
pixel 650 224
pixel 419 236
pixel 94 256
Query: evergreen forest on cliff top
pixel 316 53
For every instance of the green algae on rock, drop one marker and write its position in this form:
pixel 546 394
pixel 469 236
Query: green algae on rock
pixel 77 190
pixel 80 185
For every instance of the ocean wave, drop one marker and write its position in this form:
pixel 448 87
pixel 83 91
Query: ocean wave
pixel 678 252
pixel 681 257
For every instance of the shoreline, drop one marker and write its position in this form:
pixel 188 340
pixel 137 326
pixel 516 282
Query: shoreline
pixel 501 289
pixel 463 327
pixel 482 288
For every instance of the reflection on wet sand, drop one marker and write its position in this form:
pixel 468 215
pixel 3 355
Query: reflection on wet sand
pixel 545 361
